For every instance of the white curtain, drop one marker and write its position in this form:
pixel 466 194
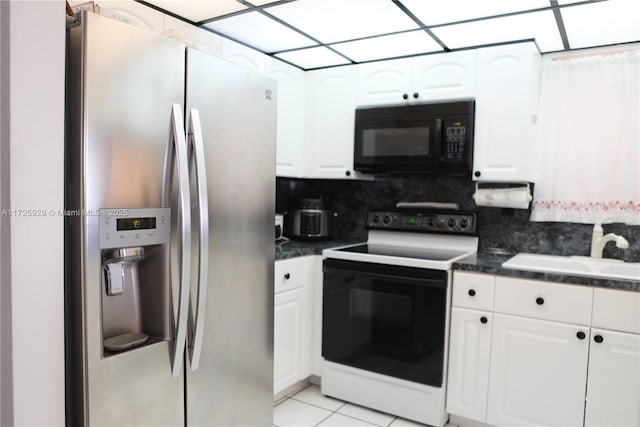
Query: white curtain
pixel 589 138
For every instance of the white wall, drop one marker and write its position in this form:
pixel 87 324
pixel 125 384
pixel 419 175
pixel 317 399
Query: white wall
pixel 36 150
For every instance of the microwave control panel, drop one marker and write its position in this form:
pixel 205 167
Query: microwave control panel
pixel 456 137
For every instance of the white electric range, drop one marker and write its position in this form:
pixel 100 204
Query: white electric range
pixel 386 309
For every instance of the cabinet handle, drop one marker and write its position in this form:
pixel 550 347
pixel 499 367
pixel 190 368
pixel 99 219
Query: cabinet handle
pixel 483 320
pixel 405 96
pixel 472 292
pixel 477 173
pixel 581 335
pixel 539 301
pixel 598 339
pixel 287 276
pixel 347 173
pixel 416 95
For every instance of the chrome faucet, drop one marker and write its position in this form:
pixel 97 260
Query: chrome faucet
pixel 599 240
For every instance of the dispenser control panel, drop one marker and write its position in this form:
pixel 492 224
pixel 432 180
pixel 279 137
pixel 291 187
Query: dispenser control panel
pixel 134 227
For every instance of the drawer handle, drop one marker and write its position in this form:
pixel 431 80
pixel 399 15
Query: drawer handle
pixel 581 335
pixel 287 276
pixel 483 320
pixel 472 292
pixel 598 339
pixel 539 301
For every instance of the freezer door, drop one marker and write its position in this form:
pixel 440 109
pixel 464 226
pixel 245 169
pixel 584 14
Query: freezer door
pixel 233 384
pixel 122 83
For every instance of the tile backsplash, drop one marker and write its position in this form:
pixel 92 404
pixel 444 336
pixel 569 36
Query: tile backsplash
pixel 503 230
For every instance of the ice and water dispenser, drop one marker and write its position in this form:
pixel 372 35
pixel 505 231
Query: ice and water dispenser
pixel 135 294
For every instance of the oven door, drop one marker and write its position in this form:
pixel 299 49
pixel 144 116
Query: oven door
pixel 385 319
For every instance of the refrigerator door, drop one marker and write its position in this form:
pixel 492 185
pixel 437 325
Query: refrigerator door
pixel 233 384
pixel 122 83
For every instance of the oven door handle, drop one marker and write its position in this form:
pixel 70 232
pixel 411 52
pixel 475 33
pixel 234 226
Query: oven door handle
pixel 432 283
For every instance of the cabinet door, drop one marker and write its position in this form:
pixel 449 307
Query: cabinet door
pixel 506 104
pixel 287 338
pixel 330 116
pixel 468 378
pixel 537 373
pixel 243 56
pixel 444 76
pixel 290 126
pixel 613 386
pixel 385 82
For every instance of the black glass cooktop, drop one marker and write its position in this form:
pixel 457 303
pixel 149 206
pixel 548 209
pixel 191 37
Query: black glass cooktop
pixel 405 252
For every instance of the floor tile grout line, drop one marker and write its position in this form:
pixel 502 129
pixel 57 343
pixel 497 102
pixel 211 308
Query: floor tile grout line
pixel 317 406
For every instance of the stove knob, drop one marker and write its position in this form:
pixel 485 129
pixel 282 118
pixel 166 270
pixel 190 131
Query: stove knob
pixel 464 223
pixel 376 219
pixel 431 221
pixel 452 222
pixel 386 219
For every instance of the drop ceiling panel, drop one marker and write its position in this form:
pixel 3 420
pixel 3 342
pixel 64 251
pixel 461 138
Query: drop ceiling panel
pixel 261 32
pixel 411 43
pixel 316 57
pixel 340 20
pixel 199 10
pixel 538 25
pixel 597 24
pixel 434 12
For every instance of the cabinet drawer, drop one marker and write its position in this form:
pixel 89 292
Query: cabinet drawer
pixel 473 290
pixel 617 310
pixel 549 301
pixel 290 274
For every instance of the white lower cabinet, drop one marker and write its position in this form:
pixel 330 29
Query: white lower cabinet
pixel 548 354
pixel 292 322
pixel 469 348
pixel 287 338
pixel 537 373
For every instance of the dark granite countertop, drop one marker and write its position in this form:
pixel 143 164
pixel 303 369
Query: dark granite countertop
pixel 297 248
pixel 491 264
pixel 481 262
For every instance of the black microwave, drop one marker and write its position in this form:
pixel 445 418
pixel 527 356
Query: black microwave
pixel 418 138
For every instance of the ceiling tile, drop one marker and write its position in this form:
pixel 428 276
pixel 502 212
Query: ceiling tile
pixel 538 25
pixel 434 12
pixel 315 57
pixel 261 32
pixel 199 10
pixel 410 43
pixel 598 24
pixel 262 2
pixel 339 20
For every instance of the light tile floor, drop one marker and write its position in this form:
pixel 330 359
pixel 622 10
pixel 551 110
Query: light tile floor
pixel 309 407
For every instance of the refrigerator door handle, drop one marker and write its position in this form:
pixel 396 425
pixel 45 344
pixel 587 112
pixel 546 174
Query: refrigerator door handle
pixel 177 154
pixel 196 146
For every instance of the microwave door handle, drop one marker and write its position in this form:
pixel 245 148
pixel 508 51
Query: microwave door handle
pixel 176 155
pixel 196 146
pixel 438 143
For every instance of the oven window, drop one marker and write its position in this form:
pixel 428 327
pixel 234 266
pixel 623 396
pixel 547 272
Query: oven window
pixel 385 319
pixel 393 142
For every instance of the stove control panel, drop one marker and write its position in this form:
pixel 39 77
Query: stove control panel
pixel 451 222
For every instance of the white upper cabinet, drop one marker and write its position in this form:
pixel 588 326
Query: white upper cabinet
pixel 386 82
pixel 129 12
pixel 243 56
pixel 420 79
pixel 330 121
pixel 192 36
pixel 445 76
pixel 290 153
pixel 508 80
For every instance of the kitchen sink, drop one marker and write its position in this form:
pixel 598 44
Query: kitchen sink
pixel 605 268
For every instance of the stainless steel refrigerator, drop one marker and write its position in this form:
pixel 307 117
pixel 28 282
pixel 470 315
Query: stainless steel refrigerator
pixel 170 192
